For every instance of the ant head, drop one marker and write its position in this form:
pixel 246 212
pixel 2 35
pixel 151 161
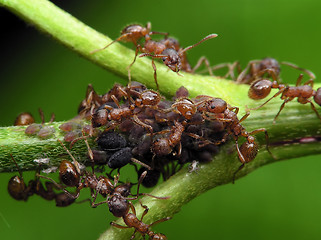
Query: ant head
pixel 118 205
pixel 216 105
pixel 63 199
pixel 317 96
pixel 172 59
pixel 270 63
pixel 260 89
pixel 124 189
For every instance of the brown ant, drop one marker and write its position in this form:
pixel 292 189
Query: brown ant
pixel 23 119
pixel 133 33
pixel 146 98
pixel 171 57
pixel 71 176
pixel 270 67
pixel 120 208
pixel 18 189
pixel 262 87
pixel 218 109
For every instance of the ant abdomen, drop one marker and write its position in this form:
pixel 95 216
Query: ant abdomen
pixel 68 174
pixel 16 188
pixel 260 89
pixel 317 96
pixel 63 199
pixel 249 151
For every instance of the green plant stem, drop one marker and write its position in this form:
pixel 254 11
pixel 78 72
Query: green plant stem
pixel 295 122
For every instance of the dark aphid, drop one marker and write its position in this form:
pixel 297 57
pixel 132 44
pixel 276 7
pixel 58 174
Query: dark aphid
pixel 151 178
pixel 111 141
pixel 120 158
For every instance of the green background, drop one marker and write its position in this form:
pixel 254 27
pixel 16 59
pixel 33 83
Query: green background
pixel 277 201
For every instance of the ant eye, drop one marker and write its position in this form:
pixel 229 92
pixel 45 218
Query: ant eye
pixel 164 59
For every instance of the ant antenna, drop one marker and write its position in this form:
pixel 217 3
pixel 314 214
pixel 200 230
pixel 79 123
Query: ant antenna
pixel 213 35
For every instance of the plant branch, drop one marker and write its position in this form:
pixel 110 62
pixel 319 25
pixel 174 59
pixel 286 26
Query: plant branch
pixel 296 122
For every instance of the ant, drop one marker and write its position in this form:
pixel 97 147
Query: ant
pixel 146 98
pixel 120 208
pixel 133 33
pixel 18 189
pixel 218 109
pixel 262 87
pixel 71 176
pixel 171 57
pixel 267 66
pixel 24 119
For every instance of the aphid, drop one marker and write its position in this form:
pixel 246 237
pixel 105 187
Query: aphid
pixel 91 102
pixel 262 87
pixel 120 207
pixel 23 119
pixel 268 68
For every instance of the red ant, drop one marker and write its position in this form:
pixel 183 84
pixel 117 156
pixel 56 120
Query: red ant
pixel 146 98
pixel 18 190
pixel 120 208
pixel 269 66
pixel 133 33
pixel 218 109
pixel 262 87
pixel 23 119
pixel 71 176
pixel 171 57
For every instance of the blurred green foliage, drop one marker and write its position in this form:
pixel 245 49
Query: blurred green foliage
pixel 278 201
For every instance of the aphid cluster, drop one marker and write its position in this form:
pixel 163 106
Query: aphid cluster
pixel 140 126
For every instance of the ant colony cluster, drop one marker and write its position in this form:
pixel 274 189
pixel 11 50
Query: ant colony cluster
pixel 133 125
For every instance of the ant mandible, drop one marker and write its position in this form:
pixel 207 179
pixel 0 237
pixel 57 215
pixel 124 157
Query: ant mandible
pixel 262 87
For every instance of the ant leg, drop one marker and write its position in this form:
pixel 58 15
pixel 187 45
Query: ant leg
pixel 116 40
pixel 298 81
pixel 145 211
pixel 309 82
pixel 241 76
pixel 311 74
pixel 118 226
pixel 75 162
pixel 159 221
pixel 314 109
pixel 244 117
pixel 282 106
pixel 267 139
pixel 155 74
pixel 141 178
pixel 206 62
pixel 130 65
pixel 239 169
pixel 140 163
pixel 142 124
pixel 275 95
